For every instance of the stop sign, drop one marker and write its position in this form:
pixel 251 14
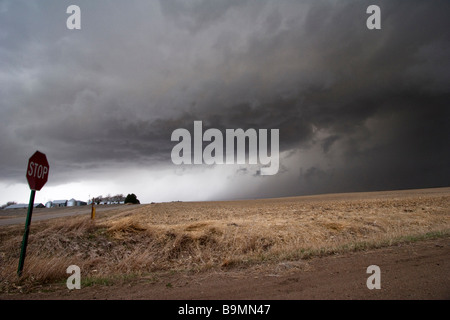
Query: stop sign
pixel 37 171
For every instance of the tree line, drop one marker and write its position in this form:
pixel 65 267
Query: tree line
pixel 130 198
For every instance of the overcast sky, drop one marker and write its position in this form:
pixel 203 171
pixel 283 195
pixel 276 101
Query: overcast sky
pixel 356 109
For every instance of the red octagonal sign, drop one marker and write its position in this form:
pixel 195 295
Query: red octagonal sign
pixel 37 171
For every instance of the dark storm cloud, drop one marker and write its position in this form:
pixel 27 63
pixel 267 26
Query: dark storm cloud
pixel 375 101
pixel 197 15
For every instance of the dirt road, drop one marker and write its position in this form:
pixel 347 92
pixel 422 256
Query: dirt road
pixel 419 270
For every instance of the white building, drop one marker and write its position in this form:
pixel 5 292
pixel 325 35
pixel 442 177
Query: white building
pixel 72 203
pixel 59 203
pixel 24 206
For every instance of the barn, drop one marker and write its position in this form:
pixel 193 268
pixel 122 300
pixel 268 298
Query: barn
pixel 24 206
pixel 59 203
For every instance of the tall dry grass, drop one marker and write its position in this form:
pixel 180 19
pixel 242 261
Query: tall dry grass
pixel 209 235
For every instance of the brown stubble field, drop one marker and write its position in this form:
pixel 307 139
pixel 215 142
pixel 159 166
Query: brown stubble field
pixel 137 241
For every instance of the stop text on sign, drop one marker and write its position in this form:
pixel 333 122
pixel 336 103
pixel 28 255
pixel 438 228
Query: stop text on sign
pixel 37 170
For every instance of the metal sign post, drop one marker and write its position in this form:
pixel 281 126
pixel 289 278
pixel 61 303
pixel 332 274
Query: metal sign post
pixel 23 249
pixel 37 175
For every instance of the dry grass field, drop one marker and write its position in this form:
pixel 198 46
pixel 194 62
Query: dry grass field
pixel 199 236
